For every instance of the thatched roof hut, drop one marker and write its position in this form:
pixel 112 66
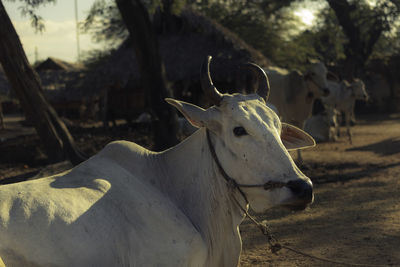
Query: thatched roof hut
pixel 55 64
pixel 183 51
pixel 61 85
pixel 55 76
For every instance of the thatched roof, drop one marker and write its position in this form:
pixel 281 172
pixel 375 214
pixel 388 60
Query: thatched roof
pixel 52 63
pixel 182 52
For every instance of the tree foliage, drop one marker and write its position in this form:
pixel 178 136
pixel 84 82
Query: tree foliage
pixel 104 23
pixel 323 41
pixel 264 24
pixel 29 8
pixel 357 30
pixel 363 23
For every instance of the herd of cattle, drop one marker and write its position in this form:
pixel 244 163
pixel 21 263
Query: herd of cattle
pixel 294 95
pixel 128 206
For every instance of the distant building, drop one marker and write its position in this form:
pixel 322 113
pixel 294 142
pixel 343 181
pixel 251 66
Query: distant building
pixel 57 64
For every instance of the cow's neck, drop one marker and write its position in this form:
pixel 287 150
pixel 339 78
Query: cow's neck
pixel 192 180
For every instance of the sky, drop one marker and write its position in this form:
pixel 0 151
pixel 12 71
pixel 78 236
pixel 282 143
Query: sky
pixel 59 37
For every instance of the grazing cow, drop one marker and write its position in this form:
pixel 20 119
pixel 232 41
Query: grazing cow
pixel 128 206
pixel 343 97
pixel 293 93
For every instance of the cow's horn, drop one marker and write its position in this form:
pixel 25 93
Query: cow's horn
pixel 206 83
pixel 263 82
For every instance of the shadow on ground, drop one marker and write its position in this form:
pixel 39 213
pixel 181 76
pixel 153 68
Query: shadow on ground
pixel 348 171
pixel 386 147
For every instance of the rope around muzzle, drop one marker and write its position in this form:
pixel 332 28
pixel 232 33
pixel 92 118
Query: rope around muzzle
pixel 274 245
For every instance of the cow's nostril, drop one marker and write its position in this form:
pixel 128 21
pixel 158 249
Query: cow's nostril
pixel 301 189
pixel 326 92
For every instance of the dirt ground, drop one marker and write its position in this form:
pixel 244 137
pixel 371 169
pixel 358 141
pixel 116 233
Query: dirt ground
pixel 355 216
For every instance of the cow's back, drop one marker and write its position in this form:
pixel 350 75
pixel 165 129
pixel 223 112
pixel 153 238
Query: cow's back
pixel 288 95
pixel 99 214
pixel 340 96
pixel 279 83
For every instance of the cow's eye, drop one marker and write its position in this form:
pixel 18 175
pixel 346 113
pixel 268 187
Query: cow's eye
pixel 239 131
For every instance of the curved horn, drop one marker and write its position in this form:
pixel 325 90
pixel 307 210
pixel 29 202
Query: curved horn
pixel 206 83
pixel 263 88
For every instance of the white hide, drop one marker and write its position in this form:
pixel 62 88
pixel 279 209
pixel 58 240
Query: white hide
pixel 293 93
pixel 343 97
pixel 322 127
pixel 128 206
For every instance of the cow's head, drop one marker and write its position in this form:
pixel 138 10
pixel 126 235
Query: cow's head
pixel 316 77
pixel 358 90
pixel 252 144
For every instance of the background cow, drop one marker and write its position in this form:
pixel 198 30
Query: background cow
pixel 343 97
pixel 293 93
pixel 322 125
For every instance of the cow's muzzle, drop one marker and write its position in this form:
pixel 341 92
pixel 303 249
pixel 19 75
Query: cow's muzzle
pixel 303 195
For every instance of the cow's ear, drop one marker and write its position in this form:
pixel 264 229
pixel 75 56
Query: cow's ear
pixel 295 138
pixel 197 116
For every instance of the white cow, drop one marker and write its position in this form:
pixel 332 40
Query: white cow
pixel 293 93
pixel 128 206
pixel 322 126
pixel 343 97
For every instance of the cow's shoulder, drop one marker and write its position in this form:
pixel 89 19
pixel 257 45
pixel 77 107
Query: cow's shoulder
pixel 90 207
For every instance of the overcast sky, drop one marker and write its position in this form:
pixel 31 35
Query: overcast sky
pixel 59 38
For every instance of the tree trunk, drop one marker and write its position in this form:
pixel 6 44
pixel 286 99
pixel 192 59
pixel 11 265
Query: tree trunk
pixel 360 46
pixel 152 71
pixel 1 117
pixel 57 141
